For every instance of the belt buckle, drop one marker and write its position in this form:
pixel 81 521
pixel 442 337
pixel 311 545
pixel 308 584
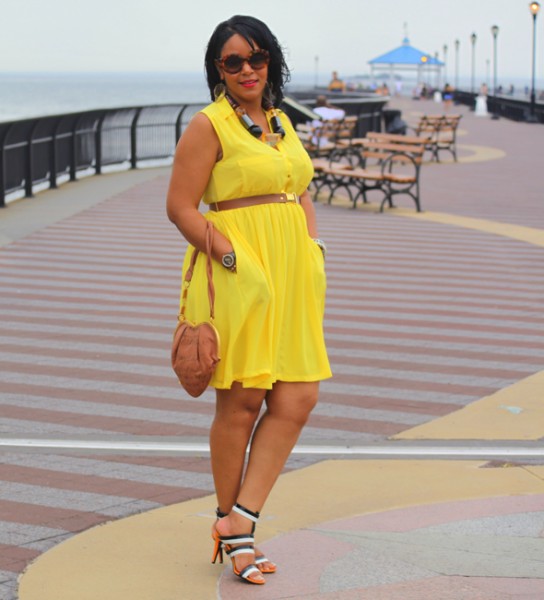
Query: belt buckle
pixel 291 197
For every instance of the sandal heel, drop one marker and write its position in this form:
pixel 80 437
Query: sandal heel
pixel 217 550
pixel 236 545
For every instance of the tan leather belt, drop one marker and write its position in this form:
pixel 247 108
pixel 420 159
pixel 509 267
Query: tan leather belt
pixel 253 201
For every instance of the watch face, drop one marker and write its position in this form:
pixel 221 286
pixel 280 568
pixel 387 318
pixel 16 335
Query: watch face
pixel 228 260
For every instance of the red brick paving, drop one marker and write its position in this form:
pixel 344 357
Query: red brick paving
pixel 384 264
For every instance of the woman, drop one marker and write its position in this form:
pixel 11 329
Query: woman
pixel 243 158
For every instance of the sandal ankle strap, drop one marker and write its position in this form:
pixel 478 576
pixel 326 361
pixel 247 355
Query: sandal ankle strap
pixel 219 514
pixel 240 550
pixel 240 538
pixel 245 512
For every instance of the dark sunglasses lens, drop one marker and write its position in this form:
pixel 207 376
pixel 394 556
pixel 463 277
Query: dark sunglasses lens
pixel 258 60
pixel 233 63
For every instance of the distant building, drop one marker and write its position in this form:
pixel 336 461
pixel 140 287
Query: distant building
pixel 407 58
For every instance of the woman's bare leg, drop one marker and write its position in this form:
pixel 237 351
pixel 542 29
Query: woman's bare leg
pixel 236 412
pixel 288 408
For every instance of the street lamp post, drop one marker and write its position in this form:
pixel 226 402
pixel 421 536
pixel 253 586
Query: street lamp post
pixel 457 64
pixel 534 7
pixel 316 81
pixel 445 51
pixel 473 42
pixel 495 33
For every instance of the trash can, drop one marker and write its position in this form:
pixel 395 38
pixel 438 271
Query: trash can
pixel 392 121
pixel 388 115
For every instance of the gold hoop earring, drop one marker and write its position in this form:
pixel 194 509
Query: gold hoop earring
pixel 219 91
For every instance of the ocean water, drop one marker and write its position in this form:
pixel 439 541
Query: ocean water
pixel 24 95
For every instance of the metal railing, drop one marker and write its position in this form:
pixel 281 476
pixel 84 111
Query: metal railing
pixel 50 149
pixel 515 109
pixel 367 108
pixel 45 151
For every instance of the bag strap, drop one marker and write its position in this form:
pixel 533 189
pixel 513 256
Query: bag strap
pixel 209 273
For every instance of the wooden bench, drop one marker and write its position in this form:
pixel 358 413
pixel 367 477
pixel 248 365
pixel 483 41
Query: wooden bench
pixel 383 163
pixel 315 139
pixel 396 138
pixel 326 137
pixel 441 130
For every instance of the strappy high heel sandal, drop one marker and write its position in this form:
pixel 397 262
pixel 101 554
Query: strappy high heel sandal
pixel 260 560
pixel 238 544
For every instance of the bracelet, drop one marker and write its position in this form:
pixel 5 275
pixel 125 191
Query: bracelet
pixel 322 245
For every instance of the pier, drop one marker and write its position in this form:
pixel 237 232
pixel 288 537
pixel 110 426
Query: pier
pixel 421 471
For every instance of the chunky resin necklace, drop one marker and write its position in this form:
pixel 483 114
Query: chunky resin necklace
pixel 271 139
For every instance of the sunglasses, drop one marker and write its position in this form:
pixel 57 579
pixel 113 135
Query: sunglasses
pixel 234 63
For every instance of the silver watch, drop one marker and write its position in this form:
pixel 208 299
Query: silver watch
pixel 229 261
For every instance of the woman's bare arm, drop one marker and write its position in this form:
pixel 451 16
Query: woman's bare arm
pixel 196 155
pixel 309 210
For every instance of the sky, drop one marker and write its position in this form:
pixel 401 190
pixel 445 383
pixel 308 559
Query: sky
pixel 171 35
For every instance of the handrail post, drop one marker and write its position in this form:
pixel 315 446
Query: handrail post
pixel 73 150
pixel 2 177
pixel 29 162
pixel 98 144
pixel 3 166
pixel 178 124
pixel 134 140
pixel 53 156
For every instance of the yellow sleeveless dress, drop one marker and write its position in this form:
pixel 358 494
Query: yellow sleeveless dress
pixel 269 313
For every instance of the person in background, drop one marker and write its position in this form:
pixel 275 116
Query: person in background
pixel 383 90
pixel 242 157
pixel 327 112
pixel 336 84
pixel 447 97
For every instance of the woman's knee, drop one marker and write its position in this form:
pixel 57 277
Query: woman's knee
pixel 239 406
pixel 293 402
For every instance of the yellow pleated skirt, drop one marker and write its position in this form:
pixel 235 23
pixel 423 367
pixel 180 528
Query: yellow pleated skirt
pixel 269 314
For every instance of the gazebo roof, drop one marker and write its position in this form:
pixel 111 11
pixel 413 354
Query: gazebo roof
pixel 405 55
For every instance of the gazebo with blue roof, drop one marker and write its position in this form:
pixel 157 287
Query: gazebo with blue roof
pixel 406 58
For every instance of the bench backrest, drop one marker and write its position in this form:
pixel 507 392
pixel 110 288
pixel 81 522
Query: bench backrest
pixel 316 139
pixel 381 151
pixel 435 124
pixel 324 136
pixel 345 128
pixel 396 138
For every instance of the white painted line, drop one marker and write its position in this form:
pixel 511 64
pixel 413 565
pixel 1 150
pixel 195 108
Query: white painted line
pixel 385 450
pixel 104 445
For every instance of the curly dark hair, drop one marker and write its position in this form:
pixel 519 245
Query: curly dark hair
pixel 254 32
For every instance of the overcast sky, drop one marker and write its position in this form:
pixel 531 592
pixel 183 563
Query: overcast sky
pixel 170 35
